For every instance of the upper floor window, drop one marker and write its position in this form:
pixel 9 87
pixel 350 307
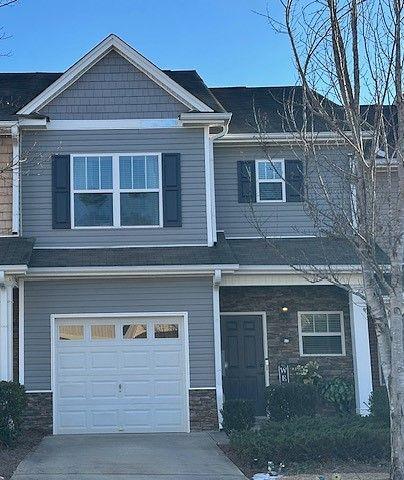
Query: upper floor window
pixel 270 178
pixel 321 333
pixel 116 191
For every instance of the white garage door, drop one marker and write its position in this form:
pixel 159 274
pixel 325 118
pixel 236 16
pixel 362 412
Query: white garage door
pixel 120 375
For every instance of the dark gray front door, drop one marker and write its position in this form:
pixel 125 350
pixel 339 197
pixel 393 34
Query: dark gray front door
pixel 243 359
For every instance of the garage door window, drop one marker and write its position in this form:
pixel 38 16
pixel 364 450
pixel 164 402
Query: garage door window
pixel 71 332
pixel 166 330
pixel 134 331
pixel 102 332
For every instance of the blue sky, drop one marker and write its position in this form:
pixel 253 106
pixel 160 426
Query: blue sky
pixel 224 40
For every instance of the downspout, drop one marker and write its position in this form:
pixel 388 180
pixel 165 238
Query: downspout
pixel 217 278
pixel 15 136
pixel 212 138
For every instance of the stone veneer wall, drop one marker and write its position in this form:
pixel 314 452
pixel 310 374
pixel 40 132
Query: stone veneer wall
pixel 202 407
pixel 281 326
pixel 203 410
pixel 38 414
pixel 6 192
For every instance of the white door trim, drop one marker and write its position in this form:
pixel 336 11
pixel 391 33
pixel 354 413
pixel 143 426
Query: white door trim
pixel 264 338
pixel 59 316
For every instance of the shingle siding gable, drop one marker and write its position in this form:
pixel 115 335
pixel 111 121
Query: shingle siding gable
pixel 113 89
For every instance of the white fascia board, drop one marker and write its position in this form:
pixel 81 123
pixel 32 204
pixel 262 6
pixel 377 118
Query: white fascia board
pixel 112 42
pixel 305 269
pixel 144 271
pixel 33 123
pixel 319 137
pixel 14 269
pixel 207 118
pixel 118 124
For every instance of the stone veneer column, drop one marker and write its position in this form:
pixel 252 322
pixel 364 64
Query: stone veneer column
pixel 203 409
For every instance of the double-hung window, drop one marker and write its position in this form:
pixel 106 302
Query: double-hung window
pixel 92 191
pixel 117 190
pixel 321 333
pixel 139 183
pixel 270 178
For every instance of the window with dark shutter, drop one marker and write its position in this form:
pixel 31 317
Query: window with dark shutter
pixel 61 191
pixel 294 180
pixel 171 168
pixel 246 182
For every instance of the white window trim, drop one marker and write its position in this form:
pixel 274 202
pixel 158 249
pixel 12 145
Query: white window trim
pixel 258 181
pixel 321 334
pixel 116 191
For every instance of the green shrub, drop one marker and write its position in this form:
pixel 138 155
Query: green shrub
pixel 379 405
pixel 313 439
pixel 290 400
pixel 238 415
pixel 340 393
pixel 12 405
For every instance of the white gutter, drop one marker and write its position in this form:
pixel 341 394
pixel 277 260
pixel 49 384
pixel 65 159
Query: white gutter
pixel 15 135
pixel 143 271
pixel 319 137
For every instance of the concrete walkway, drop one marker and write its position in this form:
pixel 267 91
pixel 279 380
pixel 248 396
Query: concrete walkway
pixel 168 456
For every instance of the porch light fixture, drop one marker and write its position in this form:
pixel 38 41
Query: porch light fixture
pixel 284 309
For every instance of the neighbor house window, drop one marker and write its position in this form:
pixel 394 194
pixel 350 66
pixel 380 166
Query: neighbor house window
pixel 116 191
pixel 270 178
pixel 321 333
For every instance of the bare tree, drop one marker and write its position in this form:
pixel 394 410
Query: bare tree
pixel 349 64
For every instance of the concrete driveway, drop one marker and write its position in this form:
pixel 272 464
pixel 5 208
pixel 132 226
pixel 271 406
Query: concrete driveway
pixel 170 456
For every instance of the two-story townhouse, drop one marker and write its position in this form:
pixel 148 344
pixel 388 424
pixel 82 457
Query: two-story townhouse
pixel 146 295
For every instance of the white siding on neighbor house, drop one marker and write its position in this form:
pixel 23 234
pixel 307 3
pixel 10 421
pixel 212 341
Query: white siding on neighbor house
pixel 38 147
pixel 275 219
pixel 113 89
pixel 192 295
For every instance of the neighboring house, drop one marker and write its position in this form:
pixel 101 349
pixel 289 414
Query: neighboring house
pixel 145 295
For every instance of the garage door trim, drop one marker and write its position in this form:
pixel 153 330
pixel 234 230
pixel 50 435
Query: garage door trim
pixel 95 316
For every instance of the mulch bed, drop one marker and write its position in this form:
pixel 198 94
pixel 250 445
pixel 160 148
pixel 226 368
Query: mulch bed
pixel 356 469
pixel 12 456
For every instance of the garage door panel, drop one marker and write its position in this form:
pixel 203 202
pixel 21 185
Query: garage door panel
pixel 104 418
pixel 140 419
pixel 104 360
pixel 122 384
pixel 136 359
pixel 68 391
pixel 104 389
pixel 73 419
pixel 168 418
pixel 167 359
pixel 138 389
pixel 73 362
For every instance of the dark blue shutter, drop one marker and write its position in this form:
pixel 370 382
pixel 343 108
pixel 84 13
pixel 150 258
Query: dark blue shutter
pixel 246 182
pixel 294 180
pixel 61 191
pixel 171 166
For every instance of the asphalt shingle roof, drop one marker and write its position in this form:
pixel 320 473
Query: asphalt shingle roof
pixel 18 89
pixel 248 251
pixel 136 256
pixel 270 107
pixel 15 250
pixel 295 251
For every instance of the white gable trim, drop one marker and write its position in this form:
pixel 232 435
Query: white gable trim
pixel 112 42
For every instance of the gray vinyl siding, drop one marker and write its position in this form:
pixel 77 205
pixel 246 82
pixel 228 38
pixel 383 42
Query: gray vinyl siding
pixel 113 89
pixel 192 295
pixel 272 219
pixel 38 147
